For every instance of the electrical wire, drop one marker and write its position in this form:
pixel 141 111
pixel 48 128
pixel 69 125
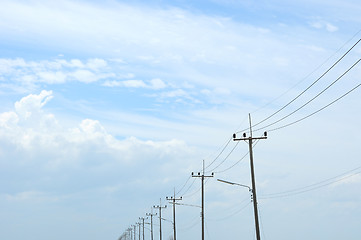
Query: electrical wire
pixel 191 194
pixel 260 219
pixel 194 223
pixel 319 110
pixel 312 187
pixel 330 85
pixel 235 213
pixel 224 148
pixel 240 160
pixel 308 75
pixel 300 94
pixel 209 236
pixel 189 186
pixel 225 157
pixel 183 185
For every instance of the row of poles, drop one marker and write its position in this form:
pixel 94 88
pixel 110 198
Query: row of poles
pixel 173 200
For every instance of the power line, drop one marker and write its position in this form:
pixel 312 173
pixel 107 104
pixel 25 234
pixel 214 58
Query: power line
pixel 193 193
pixel 225 158
pixel 240 160
pixel 300 94
pixel 231 215
pixel 330 85
pixel 313 186
pixel 319 110
pixel 224 148
pixel 308 75
pixel 184 185
pixel 189 187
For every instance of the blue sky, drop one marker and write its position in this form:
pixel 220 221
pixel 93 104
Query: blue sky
pixel 107 106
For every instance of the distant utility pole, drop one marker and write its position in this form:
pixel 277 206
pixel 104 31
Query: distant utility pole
pixel 151 222
pixel 134 232
pixel 142 218
pixel 202 183
pixel 130 232
pixel 160 217
pixel 174 199
pixel 139 229
pixel 250 144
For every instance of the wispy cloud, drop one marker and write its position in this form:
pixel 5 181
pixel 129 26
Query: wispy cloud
pixel 155 84
pixel 57 71
pixel 324 25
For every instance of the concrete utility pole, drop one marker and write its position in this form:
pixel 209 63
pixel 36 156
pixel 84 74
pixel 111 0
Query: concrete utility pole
pixel 160 217
pixel 250 144
pixel 134 231
pixel 173 201
pixel 130 232
pixel 202 184
pixel 139 229
pixel 151 223
pixel 142 218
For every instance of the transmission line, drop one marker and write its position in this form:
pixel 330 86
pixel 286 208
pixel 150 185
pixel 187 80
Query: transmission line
pixel 319 110
pixel 314 186
pixel 225 158
pixel 309 101
pixel 224 148
pixel 308 75
pixel 300 94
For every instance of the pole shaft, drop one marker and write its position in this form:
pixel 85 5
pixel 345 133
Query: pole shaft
pixel 202 214
pixel 151 226
pixel 254 189
pixel 160 223
pixel 174 230
pixel 143 228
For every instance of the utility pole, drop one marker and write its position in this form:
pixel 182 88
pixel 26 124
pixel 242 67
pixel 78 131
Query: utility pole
pixel 202 184
pixel 134 232
pixel 151 222
pixel 139 229
pixel 174 199
pixel 160 217
pixel 250 144
pixel 142 218
pixel 130 233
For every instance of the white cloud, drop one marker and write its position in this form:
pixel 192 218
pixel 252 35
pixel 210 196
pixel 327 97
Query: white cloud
pixel 324 25
pixel 32 131
pixel 30 196
pixel 349 179
pixel 157 84
pixel 54 72
pixel 154 84
pixel 134 84
pixel 8 120
pixel 174 94
pixel 96 64
pixel 84 76
pixel 32 104
pixel 48 77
